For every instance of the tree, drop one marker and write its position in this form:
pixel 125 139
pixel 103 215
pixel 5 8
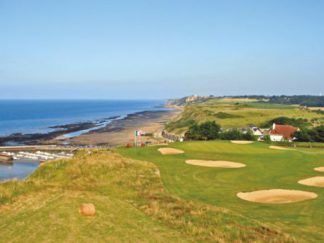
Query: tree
pixel 282 120
pixel 302 136
pixel 310 135
pixel 236 134
pixel 233 134
pixel 205 131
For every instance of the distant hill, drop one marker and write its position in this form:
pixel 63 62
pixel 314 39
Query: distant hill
pixel 193 99
pixel 303 100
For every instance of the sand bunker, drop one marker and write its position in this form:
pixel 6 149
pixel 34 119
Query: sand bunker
pixel 241 142
pixel 279 148
pixel 276 196
pixel 317 181
pixel 218 164
pixel 166 151
pixel 319 169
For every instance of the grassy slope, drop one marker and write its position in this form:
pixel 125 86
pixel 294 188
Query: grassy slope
pixel 266 168
pixel 240 113
pixel 130 201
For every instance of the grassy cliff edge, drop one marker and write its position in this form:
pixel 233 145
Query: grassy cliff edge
pixel 131 203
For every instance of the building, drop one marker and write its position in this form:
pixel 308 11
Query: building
pixel 280 133
pixel 255 130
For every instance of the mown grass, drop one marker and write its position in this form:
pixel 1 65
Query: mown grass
pixel 131 203
pixel 266 169
pixel 239 113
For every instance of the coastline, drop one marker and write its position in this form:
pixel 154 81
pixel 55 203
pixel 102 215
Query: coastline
pixel 121 131
pixel 40 138
pixel 111 131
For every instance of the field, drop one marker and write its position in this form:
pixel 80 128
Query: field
pixel 239 113
pixel 131 204
pixel 266 169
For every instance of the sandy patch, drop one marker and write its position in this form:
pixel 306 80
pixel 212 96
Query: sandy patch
pixel 218 163
pixel 317 181
pixel 279 148
pixel 319 169
pixel 241 142
pixel 166 151
pixel 276 196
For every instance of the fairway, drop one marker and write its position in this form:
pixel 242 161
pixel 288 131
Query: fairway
pixel 265 169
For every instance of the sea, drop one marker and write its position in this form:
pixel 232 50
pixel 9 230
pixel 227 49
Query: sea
pixel 37 116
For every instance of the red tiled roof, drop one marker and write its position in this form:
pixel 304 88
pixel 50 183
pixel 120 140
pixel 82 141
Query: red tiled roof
pixel 287 131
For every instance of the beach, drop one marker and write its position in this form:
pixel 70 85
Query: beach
pixel 121 131
pixel 80 122
pixel 113 131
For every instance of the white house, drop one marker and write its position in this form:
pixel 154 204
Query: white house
pixel 282 132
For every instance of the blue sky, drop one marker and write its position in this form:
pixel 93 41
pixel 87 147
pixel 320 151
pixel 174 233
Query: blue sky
pixel 160 49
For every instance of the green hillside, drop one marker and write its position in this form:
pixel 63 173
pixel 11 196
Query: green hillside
pixel 131 203
pixel 239 113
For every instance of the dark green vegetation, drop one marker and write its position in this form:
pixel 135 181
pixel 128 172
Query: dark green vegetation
pixel 296 122
pixel 236 134
pixel 131 205
pixel 305 100
pixel 315 134
pixel 266 169
pixel 210 130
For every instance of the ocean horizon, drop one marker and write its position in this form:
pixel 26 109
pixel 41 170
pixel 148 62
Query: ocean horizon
pixel 37 116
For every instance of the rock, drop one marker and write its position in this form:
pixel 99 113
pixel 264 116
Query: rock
pixel 87 209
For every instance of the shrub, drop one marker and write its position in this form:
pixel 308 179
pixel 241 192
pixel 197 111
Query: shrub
pixel 310 135
pixel 235 134
pixel 205 131
pixel 299 122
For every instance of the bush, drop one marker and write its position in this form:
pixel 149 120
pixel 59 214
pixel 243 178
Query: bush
pixel 205 131
pixel 235 134
pixel 310 135
pixel 301 123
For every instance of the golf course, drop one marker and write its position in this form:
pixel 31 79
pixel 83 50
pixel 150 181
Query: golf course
pixel 265 169
pixel 206 191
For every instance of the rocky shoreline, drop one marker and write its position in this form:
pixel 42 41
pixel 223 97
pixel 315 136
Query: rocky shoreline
pixel 121 131
pixel 39 138
pixel 114 125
